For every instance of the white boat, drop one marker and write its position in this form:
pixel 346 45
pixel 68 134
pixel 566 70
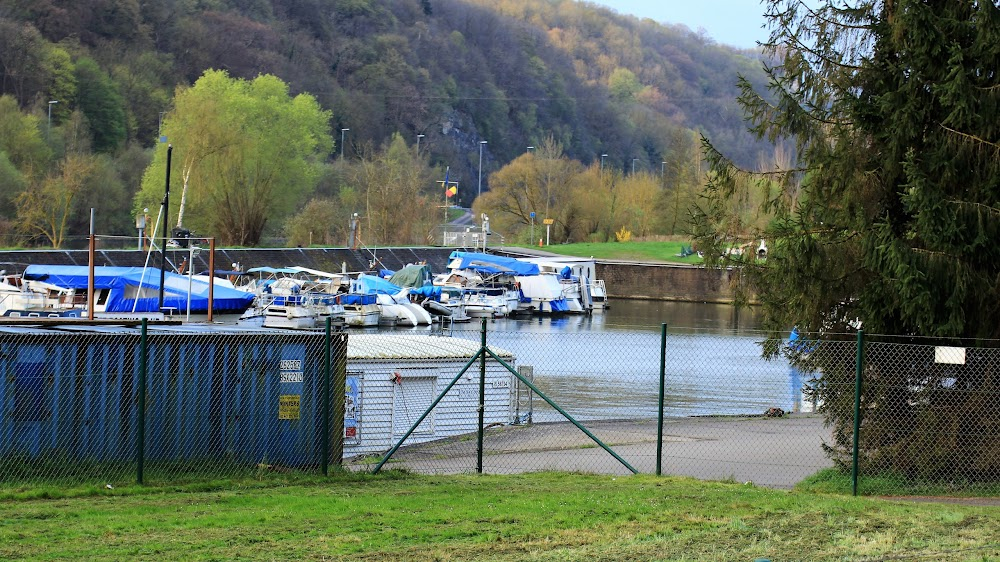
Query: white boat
pixel 276 311
pixel 360 311
pixel 483 298
pixel 293 299
pixel 402 310
pixel 35 299
pixel 582 291
pixel 543 294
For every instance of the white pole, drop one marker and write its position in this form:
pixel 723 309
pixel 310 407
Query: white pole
pixel 547 234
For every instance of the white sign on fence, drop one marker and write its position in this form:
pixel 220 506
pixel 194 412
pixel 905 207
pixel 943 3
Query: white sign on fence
pixel 949 355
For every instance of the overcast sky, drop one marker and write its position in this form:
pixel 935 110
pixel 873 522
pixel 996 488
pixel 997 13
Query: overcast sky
pixel 733 22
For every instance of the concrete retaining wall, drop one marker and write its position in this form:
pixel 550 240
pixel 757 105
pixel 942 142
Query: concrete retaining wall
pixel 667 282
pixel 623 279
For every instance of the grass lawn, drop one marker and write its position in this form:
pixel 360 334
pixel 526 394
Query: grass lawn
pixel 637 251
pixel 457 518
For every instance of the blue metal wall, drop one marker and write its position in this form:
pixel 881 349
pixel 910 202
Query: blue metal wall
pixel 209 396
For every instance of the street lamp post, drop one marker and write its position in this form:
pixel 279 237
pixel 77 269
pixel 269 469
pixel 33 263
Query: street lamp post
pixel 418 142
pixel 51 103
pixel 481 143
pixel 603 156
pixel 342 131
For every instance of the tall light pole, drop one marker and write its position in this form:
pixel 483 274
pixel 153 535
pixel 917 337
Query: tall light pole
pixel 49 128
pixel 418 142
pixel 342 131
pixel 481 143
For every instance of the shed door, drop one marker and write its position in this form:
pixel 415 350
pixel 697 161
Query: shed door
pixel 413 393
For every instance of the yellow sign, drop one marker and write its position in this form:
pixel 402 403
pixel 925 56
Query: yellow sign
pixel 548 221
pixel 288 406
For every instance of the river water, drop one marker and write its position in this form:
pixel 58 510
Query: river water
pixel 607 365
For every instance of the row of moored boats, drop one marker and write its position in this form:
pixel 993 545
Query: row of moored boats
pixel 475 285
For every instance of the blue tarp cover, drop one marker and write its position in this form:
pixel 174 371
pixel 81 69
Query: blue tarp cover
pixel 427 291
pixel 124 282
pixel 356 299
pixel 488 263
pixel 372 284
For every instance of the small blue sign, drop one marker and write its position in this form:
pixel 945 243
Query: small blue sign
pixel 163 138
pixel 532 214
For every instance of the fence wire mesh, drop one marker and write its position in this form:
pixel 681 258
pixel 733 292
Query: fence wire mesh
pixel 728 412
pixel 215 405
pixel 930 416
pixel 741 406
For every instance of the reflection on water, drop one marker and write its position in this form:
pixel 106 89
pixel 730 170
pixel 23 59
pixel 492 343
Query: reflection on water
pixel 606 365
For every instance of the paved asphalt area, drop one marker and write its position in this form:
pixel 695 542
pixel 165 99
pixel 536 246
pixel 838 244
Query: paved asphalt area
pixel 770 452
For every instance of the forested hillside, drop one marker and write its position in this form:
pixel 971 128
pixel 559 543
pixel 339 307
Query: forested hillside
pixel 90 86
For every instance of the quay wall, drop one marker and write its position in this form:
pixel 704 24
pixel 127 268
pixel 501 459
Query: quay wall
pixel 673 282
pixel 623 279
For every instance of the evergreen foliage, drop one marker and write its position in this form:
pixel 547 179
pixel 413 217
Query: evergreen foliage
pixel 887 217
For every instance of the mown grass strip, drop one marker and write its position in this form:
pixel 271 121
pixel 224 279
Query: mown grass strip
pixel 525 517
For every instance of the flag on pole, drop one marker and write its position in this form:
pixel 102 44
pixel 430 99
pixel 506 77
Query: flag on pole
pixel 451 191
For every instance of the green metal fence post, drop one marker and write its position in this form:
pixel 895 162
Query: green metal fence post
pixel 482 400
pixel 663 377
pixel 325 409
pixel 140 413
pixel 859 369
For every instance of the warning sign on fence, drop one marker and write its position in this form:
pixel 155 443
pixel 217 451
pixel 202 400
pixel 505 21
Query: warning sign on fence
pixel 288 406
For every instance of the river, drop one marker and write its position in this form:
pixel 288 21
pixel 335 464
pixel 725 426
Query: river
pixel 606 365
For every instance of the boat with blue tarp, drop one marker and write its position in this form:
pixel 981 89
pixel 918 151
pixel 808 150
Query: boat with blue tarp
pixel 137 290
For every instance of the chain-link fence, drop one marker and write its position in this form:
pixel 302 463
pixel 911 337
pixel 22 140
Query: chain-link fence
pixel 224 402
pixel 588 401
pixel 115 405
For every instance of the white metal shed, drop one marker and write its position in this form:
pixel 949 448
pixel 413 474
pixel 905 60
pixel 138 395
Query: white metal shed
pixel 393 378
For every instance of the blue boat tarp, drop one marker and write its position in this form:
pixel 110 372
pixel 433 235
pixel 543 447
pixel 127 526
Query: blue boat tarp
pixel 124 288
pixel 373 284
pixel 488 263
pixel 427 291
pixel 356 299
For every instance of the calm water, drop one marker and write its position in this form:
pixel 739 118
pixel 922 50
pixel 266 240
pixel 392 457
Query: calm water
pixel 607 365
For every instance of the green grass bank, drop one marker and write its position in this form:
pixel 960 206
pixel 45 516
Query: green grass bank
pixel 542 516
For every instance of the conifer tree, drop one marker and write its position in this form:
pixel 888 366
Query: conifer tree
pixel 889 216
pixel 888 219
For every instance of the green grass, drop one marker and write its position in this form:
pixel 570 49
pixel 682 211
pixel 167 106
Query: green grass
pixel 536 517
pixel 638 251
pixel 834 481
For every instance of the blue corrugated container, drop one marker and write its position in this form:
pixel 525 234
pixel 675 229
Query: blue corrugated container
pixel 234 394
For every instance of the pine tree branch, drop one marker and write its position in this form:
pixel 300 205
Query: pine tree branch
pixel 974 138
